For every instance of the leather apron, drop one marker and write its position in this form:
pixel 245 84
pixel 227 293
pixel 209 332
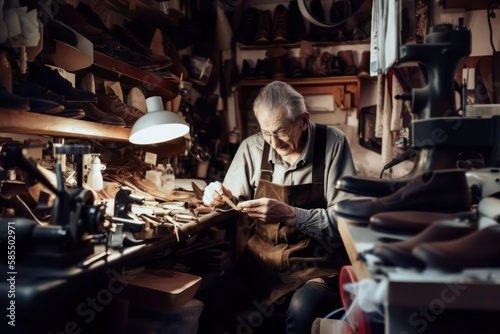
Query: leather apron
pixel 278 258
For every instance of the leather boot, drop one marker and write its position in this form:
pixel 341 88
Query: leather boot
pixel 321 64
pixel 336 67
pixel 294 68
pixel 280 25
pixel 277 55
pixel 247 26
pixel 263 30
pixel 317 33
pixel 479 249
pixel 297 30
pixel 93 114
pixel 263 69
pixel 400 253
pixel 247 71
pixel 111 104
pixel 364 65
pixel 306 52
pixel 437 191
pixel 347 60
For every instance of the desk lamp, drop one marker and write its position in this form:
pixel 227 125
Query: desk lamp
pixel 158 125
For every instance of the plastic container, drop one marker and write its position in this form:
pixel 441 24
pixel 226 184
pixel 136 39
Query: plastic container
pixel 94 179
pixel 168 179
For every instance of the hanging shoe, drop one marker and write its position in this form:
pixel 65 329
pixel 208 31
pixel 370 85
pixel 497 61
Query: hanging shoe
pixel 437 191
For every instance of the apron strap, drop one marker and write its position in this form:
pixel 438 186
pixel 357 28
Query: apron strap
pixel 319 153
pixel 266 170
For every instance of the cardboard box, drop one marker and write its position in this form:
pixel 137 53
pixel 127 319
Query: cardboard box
pixel 162 290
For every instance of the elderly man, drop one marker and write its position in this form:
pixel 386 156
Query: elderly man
pixel 284 179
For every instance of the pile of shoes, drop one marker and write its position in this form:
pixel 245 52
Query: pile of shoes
pixel 442 228
pixel 310 62
pixel 288 25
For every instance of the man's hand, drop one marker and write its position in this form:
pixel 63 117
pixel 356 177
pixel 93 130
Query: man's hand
pixel 212 194
pixel 269 211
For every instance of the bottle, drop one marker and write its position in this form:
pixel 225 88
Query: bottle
pixel 94 179
pixel 168 179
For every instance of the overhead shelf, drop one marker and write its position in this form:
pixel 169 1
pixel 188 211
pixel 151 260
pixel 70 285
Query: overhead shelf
pixel 109 67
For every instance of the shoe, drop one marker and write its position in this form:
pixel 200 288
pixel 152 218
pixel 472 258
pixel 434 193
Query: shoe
pixel 305 53
pixel 294 68
pixel 111 104
pixel 347 60
pixel 479 249
pixel 93 114
pixel 280 25
pixel 297 30
pixel 317 33
pixel 247 71
pixel 177 68
pixel 437 191
pixel 12 101
pixel 277 56
pixel 53 81
pixel 336 67
pixel 412 222
pixel 71 17
pixel 321 64
pixel 364 65
pixel 246 28
pixel 400 253
pixel 29 90
pixel 263 69
pixel 263 31
pixel 371 187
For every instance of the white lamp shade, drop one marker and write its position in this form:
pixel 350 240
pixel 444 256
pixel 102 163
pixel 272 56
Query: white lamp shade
pixel 158 125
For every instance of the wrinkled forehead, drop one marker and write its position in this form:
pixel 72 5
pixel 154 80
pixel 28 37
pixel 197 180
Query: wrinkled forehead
pixel 276 115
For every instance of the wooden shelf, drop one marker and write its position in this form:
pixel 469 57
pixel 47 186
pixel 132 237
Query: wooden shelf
pixel 297 44
pixel 23 122
pixel 112 68
pixel 304 81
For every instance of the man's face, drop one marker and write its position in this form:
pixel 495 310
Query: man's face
pixel 284 136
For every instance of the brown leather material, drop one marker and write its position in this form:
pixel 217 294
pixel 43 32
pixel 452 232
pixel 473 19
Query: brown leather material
pixel 347 60
pixel 111 104
pixel 321 64
pixel 411 222
pixel 280 24
pixel 277 253
pixel 92 113
pixel 479 249
pixel 263 30
pixel 443 190
pixel 277 55
pixel 400 253
pixel 364 65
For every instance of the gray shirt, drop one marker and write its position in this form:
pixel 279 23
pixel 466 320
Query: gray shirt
pixel 243 175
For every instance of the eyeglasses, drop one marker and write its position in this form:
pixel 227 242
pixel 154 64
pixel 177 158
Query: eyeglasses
pixel 282 135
